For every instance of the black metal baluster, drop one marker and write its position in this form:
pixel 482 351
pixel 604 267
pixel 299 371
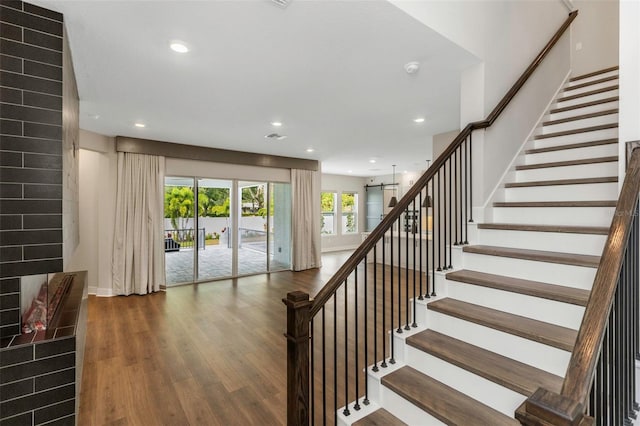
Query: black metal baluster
pixel 604 398
pixel 612 372
pixel 384 305
pixel 335 358
pixel 635 296
pixel 414 230
pixel 466 191
pixel 444 213
pixel 392 360
pixel 449 212
pixel 375 306
pixel 455 195
pixel 433 241
pixel 346 411
pixel 420 297
pixel 439 228
pixel 324 369
pixel 356 406
pixel 366 332
pixel 406 277
pixel 471 177
pixel 399 270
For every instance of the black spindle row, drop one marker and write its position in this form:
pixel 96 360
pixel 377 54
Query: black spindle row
pixel 612 399
pixel 399 271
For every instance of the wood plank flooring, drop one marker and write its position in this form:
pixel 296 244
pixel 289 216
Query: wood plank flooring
pixel 207 354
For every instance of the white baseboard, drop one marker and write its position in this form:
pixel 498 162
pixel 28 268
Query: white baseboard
pixel 100 292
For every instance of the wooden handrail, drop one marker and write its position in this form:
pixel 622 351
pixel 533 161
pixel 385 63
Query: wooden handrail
pixel 577 382
pixel 338 278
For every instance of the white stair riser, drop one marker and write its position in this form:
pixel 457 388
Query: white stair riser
pixel 578 216
pixel 406 411
pixel 550 311
pixel 579 124
pixel 577 171
pixel 607 150
pixel 593 78
pixel 485 391
pixel 548 241
pixel 552 273
pixel 580 192
pixel 594 135
pixel 584 99
pixel 589 88
pixel 539 355
pixel 583 110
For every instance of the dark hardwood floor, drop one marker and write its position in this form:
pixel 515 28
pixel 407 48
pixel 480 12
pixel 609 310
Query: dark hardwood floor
pixel 207 354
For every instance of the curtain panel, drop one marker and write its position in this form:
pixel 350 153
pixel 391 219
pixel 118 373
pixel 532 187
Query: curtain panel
pixel 138 247
pixel 305 215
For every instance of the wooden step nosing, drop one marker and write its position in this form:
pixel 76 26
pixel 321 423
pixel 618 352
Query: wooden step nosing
pixel 572 146
pixel 577 131
pixel 560 182
pixel 506 323
pixel 515 375
pixel 581 117
pixel 594 73
pixel 583 161
pixel 590 83
pixel 554 292
pixel 585 105
pixel 571 259
pixel 589 93
pixel 593 230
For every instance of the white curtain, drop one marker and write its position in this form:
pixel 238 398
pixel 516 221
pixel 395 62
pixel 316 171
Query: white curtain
pixel 305 215
pixel 138 245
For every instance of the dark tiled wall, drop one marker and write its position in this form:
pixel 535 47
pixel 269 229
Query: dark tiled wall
pixel 31 75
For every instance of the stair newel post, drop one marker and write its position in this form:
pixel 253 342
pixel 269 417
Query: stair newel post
pixel 298 311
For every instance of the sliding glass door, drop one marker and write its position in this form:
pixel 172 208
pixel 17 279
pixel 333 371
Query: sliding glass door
pixel 218 228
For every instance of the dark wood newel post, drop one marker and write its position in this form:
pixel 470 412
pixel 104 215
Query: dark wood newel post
pixel 298 308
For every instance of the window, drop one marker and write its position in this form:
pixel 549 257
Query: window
pixel 328 206
pixel 349 212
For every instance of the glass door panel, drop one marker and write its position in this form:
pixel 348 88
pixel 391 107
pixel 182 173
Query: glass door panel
pixel 179 233
pixel 252 227
pixel 279 222
pixel 215 251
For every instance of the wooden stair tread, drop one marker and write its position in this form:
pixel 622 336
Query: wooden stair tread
pixel 589 93
pixel 590 83
pixel 441 401
pixel 574 259
pixel 599 230
pixel 581 117
pixel 594 73
pixel 571 295
pixel 527 328
pixel 572 146
pixel 585 104
pixel 581 181
pixel 599 203
pixel 577 131
pixel 512 374
pixel 582 161
pixel 380 417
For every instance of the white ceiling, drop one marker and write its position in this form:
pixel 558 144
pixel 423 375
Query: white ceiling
pixel 331 71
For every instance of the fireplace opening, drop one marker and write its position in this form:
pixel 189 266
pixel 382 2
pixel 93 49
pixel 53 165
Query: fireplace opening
pixel 40 297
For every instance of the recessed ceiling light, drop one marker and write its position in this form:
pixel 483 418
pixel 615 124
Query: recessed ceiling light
pixel 178 46
pixel 418 120
pixel 141 125
pixel 405 172
pixel 349 171
pixel 310 149
pixel 276 123
pixel 372 161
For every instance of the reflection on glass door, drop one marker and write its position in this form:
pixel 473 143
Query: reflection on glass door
pixel 215 258
pixel 252 228
pixel 179 230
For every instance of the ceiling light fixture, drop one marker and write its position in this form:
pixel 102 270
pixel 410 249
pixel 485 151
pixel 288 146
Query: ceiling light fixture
pixel 412 67
pixel 418 120
pixel 275 136
pixel 178 46
pixel 276 123
pixel 372 161
pixel 140 125
pixel 394 200
pixel 310 149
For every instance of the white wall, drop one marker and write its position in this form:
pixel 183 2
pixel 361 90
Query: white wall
pixel 629 104
pixel 98 179
pixel 340 184
pixel 594 36
pixel 180 167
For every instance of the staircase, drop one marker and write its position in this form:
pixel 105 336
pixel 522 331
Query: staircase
pixel 505 321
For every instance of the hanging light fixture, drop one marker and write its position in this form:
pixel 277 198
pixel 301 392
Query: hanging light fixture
pixel 427 201
pixel 394 200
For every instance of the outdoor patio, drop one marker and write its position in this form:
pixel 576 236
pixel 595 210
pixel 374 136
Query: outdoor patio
pixel 215 262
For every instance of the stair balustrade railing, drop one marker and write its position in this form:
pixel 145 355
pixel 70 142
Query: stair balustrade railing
pixel 333 339
pixel 599 387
